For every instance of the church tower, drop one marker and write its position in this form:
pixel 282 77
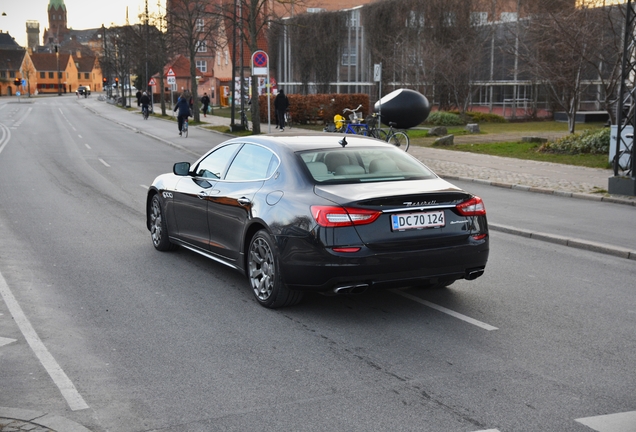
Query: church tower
pixel 57 22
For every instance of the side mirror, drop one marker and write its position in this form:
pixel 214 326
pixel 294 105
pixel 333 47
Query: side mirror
pixel 181 168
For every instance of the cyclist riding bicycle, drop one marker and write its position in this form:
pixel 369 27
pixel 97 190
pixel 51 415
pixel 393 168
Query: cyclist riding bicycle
pixel 144 101
pixel 184 111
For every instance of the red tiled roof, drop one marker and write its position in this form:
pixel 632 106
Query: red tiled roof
pixel 48 61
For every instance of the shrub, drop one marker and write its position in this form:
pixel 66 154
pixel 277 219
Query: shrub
pixel 592 142
pixel 442 118
pixel 480 117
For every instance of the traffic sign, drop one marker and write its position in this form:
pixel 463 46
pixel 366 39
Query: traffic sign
pixel 172 80
pixel 152 82
pixel 171 72
pixel 260 62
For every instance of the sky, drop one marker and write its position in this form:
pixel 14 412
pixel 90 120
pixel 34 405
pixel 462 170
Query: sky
pixel 80 14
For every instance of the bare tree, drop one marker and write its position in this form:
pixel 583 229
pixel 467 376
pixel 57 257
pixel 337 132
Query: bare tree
pixel 554 46
pixel 434 44
pixel 153 52
pixel 252 19
pixel 192 25
pixel 605 53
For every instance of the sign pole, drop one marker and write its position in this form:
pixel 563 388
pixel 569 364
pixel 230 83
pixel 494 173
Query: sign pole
pixel 377 76
pixel 260 66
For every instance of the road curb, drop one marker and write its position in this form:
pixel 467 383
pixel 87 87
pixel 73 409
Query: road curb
pixel 569 242
pixel 39 418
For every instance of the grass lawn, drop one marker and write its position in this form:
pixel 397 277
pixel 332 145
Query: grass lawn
pixel 522 150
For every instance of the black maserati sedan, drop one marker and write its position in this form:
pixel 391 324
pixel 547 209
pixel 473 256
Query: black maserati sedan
pixel 319 212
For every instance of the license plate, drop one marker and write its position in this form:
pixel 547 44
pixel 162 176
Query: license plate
pixel 420 220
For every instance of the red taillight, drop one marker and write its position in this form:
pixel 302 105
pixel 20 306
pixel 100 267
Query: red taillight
pixel 332 216
pixel 473 207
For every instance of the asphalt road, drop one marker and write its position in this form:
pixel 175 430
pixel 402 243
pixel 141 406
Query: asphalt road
pixel 131 339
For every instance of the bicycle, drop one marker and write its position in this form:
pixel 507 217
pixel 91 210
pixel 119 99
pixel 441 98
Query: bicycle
pixel 244 121
pixel 145 111
pixel 398 138
pixel 353 126
pixel 373 130
pixel 184 128
pixel 288 119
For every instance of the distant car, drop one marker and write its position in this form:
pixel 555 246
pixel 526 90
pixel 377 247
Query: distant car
pixel 319 212
pixel 84 90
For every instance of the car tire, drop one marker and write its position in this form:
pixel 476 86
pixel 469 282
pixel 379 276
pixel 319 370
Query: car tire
pixel 158 227
pixel 263 271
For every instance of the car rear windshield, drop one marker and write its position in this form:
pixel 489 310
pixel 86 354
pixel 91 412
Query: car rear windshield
pixel 358 165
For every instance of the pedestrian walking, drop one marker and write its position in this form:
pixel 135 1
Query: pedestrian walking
pixel 281 104
pixel 138 95
pixel 205 101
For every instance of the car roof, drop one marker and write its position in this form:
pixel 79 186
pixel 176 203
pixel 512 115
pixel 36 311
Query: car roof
pixel 314 140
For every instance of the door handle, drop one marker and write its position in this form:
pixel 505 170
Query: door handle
pixel 244 201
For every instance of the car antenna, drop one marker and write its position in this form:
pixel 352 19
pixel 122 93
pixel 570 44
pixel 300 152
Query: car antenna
pixel 343 142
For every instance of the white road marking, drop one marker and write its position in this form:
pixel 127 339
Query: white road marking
pixel 6 341
pixel 104 162
pixel 446 311
pixel 87 146
pixel 5 136
pixel 144 186
pixel 79 135
pixel 61 380
pixel 488 430
pixel 621 422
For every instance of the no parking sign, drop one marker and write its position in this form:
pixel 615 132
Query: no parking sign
pixel 260 62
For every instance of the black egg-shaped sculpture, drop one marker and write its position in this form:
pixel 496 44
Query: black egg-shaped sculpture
pixel 406 108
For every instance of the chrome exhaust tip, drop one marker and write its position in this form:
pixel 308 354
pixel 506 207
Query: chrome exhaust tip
pixel 473 273
pixel 351 289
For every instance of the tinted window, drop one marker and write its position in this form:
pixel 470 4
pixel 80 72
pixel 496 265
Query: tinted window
pixel 214 165
pixel 363 165
pixel 253 162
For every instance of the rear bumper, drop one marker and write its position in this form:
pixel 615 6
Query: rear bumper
pixel 309 269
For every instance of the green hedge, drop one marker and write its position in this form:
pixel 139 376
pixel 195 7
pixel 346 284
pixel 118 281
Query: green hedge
pixel 454 118
pixel 317 108
pixel 442 118
pixel 592 142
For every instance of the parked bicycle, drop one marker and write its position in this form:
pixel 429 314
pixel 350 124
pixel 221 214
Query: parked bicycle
pixel 397 137
pixel 244 121
pixel 353 126
pixel 370 127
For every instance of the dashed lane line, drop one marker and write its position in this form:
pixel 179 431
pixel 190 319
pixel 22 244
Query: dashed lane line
pixel 446 311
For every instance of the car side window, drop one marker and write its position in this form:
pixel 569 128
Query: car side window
pixel 253 162
pixel 214 165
